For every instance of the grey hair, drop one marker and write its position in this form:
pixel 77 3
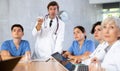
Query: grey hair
pixel 112 19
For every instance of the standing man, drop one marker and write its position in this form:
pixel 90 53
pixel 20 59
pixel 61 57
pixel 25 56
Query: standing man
pixel 49 33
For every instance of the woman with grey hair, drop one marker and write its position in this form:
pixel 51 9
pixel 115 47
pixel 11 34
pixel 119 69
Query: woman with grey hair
pixel 111 34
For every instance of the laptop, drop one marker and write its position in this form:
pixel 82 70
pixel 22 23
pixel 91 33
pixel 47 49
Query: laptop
pixel 62 59
pixel 8 65
pixel 74 67
pixel 59 57
pixel 81 67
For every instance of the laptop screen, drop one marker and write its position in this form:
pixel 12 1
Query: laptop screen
pixel 59 57
pixel 63 61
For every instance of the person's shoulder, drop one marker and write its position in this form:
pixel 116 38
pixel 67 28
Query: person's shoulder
pixel 88 40
pixel 117 44
pixel 24 41
pixel 7 41
pixel 61 22
pixel 75 42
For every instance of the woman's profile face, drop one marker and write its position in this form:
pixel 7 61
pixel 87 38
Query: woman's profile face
pixel 98 32
pixel 78 34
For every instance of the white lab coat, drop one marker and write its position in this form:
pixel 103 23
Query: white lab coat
pixel 47 42
pixel 98 52
pixel 111 61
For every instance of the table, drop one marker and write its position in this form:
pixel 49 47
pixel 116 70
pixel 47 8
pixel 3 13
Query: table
pixel 51 65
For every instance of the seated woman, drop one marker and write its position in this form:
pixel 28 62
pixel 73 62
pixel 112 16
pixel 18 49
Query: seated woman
pixel 97 31
pixel 81 47
pixel 111 34
pixel 16 46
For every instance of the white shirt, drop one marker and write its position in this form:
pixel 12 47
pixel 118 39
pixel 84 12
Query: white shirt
pixel 47 42
pixel 111 61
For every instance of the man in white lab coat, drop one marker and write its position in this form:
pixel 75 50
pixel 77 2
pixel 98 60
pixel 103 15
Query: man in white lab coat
pixel 49 33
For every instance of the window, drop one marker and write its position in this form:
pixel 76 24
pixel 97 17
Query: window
pixel 111 12
pixel 112 9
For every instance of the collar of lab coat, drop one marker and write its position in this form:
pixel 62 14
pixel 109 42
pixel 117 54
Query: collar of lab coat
pixel 52 19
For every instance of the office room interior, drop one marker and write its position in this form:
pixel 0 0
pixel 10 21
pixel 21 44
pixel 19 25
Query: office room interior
pixel 77 12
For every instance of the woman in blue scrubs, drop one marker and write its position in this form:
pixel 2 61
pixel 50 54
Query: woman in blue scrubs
pixel 81 47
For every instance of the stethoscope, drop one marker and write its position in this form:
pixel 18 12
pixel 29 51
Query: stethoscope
pixel 46 17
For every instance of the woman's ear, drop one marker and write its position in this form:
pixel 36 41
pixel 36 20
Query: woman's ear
pixel 23 34
pixel 85 33
pixel 119 34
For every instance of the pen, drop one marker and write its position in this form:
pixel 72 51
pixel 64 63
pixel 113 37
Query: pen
pixel 69 59
pixel 47 60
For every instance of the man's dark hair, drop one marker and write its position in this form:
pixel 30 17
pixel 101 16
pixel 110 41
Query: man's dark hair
pixel 82 29
pixel 94 25
pixel 53 3
pixel 17 25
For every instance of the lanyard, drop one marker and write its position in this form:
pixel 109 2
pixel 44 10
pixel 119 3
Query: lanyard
pixel 46 17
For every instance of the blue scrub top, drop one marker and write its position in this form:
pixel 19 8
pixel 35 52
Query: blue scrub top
pixel 9 46
pixel 75 49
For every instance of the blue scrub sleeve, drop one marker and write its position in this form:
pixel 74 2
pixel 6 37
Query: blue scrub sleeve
pixel 27 46
pixel 71 48
pixel 4 46
pixel 90 46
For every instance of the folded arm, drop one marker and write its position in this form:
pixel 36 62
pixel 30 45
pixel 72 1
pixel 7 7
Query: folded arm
pixel 5 55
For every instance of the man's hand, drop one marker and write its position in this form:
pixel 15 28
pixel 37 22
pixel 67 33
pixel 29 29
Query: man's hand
pixel 39 24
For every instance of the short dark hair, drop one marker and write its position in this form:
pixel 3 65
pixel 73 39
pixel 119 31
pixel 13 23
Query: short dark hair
pixel 82 29
pixel 17 25
pixel 53 3
pixel 94 25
